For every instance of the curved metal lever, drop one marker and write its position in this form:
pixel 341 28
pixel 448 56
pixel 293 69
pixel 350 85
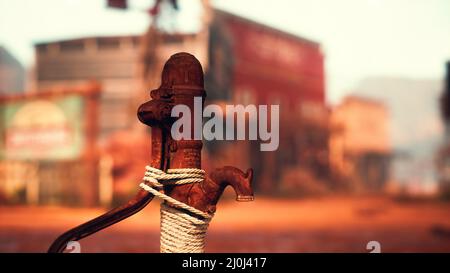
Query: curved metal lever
pixel 113 216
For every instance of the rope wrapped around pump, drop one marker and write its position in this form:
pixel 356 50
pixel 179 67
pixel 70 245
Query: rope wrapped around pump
pixel 180 232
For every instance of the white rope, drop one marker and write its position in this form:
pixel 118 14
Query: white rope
pixel 174 202
pixel 173 176
pixel 180 232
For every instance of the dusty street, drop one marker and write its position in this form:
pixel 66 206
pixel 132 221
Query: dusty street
pixel 265 225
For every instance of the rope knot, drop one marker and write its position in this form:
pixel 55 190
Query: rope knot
pixel 180 232
pixel 158 178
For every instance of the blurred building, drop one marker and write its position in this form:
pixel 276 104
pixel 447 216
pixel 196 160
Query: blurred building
pixel 111 61
pixel 359 144
pixel 48 151
pixel 415 128
pixel 12 73
pixel 251 63
pixel 120 64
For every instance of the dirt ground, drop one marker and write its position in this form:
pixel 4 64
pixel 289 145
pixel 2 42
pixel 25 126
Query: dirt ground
pixel 340 224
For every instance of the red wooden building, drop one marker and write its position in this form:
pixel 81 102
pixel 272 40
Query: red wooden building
pixel 250 63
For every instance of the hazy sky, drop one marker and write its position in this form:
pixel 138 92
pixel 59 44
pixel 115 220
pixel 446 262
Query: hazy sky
pixel 360 38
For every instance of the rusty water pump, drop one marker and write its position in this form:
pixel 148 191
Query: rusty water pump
pixel 182 80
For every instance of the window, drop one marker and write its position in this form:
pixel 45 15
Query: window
pixel 76 45
pixel 108 43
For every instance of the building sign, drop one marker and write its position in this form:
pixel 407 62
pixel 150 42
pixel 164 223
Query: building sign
pixel 47 128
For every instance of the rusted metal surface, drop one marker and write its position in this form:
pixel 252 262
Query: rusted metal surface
pixel 182 80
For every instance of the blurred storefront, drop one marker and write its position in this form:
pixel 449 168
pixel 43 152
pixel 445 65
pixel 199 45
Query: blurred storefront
pixel 250 63
pixel 360 149
pixel 48 151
